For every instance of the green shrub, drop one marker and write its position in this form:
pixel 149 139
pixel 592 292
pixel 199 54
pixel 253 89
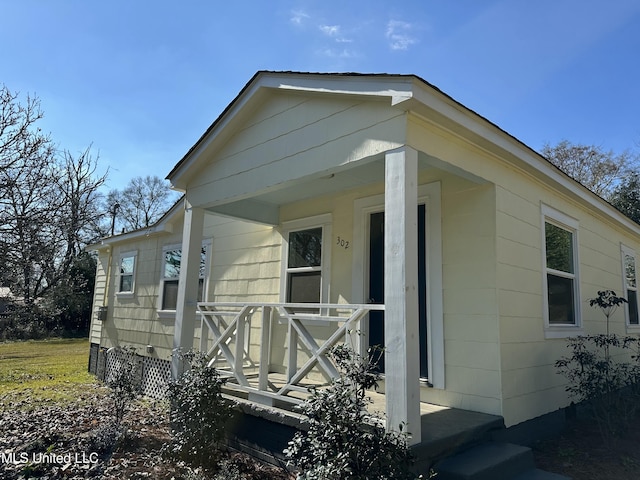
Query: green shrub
pixel 604 374
pixel 198 413
pixel 28 322
pixel 124 381
pixel 344 440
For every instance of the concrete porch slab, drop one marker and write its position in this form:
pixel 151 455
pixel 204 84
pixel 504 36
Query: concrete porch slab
pixel 445 431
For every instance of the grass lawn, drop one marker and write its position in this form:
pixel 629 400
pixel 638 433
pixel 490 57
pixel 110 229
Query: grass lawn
pixel 37 372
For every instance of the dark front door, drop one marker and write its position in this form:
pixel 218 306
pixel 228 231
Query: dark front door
pixel 376 287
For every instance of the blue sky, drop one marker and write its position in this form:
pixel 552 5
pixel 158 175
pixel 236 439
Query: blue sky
pixel 141 80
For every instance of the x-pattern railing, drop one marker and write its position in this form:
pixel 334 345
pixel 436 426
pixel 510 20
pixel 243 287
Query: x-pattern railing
pixel 229 324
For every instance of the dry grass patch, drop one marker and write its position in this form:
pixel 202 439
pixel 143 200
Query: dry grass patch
pixel 37 372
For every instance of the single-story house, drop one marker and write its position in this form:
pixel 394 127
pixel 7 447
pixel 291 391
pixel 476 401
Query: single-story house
pixel 377 210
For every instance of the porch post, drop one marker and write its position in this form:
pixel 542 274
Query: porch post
pixel 402 348
pixel 188 284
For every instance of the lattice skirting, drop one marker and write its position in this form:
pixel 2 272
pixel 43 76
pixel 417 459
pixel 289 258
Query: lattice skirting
pixel 155 373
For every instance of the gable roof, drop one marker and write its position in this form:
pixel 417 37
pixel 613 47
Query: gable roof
pixel 395 87
pixel 413 93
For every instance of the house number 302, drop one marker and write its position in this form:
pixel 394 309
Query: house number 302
pixel 342 243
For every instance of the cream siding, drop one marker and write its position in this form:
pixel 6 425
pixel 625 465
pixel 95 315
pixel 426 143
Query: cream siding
pixel 290 137
pixel 469 293
pixel 531 386
pixel 527 383
pixel 245 261
pixel 244 266
pixel 469 282
pixel 133 318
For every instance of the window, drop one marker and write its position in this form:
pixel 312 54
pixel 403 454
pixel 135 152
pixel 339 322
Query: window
pixel 126 272
pixel 561 270
pixel 171 274
pixel 630 285
pixel 305 260
pixel 304 266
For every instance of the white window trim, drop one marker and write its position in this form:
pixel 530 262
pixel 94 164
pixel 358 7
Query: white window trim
pixel 324 221
pixel 430 195
pixel 208 243
pixel 562 220
pixel 127 293
pixel 625 250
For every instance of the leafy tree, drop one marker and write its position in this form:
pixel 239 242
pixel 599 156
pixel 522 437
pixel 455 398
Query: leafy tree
pixel 141 203
pixel 600 374
pixel 626 196
pixel 71 299
pixel 597 169
pixel 608 302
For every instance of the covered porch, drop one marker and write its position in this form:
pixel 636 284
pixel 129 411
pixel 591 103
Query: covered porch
pixel 240 337
pixel 269 394
pixel 319 156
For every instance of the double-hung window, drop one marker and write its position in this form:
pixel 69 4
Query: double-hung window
pixel 630 285
pixel 305 265
pixel 126 273
pixel 561 280
pixel 172 258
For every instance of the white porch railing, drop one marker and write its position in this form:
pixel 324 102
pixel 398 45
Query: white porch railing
pixel 233 353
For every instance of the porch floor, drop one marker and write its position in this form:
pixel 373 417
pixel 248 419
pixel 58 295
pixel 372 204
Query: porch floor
pixel 445 430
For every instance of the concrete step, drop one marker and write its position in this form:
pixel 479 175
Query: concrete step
pixel 537 474
pixel 488 461
pixel 446 432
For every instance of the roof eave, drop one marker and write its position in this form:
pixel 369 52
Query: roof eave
pixel 517 152
pixel 163 225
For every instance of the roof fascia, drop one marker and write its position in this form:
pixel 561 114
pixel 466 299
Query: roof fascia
pixel 163 225
pixel 398 88
pixel 177 174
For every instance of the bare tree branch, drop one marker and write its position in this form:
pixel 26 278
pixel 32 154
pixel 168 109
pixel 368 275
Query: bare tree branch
pixel 143 201
pixel 598 170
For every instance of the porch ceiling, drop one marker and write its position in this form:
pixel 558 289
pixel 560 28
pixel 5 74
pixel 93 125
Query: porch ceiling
pixel 264 207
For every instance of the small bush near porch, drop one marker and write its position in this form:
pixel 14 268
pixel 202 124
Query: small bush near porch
pixel 345 440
